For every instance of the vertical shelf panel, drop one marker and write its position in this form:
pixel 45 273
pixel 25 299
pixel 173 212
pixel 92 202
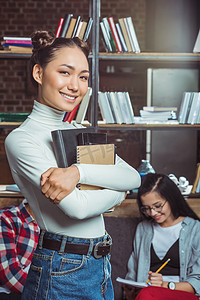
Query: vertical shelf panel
pixel 95 14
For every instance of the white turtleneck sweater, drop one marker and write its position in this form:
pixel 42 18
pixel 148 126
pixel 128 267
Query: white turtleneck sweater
pixel 30 153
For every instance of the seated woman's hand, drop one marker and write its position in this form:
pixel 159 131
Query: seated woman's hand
pixel 57 183
pixel 155 279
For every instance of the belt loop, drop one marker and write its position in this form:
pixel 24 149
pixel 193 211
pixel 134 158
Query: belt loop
pixel 63 244
pixel 41 236
pixel 90 247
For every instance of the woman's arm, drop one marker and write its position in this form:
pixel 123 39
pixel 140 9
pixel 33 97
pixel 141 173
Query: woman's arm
pixel 157 280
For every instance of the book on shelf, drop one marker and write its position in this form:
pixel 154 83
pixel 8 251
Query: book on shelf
pixel 121 37
pixel 15 49
pixel 78 20
pixel 155 115
pixel 183 107
pixel 129 35
pixel 194 109
pixel 18 43
pixel 103 154
pixel 117 108
pixel 66 140
pixel 195 186
pixel 109 33
pixel 65 25
pixel 105 108
pixel 125 34
pixel 133 36
pixel 88 29
pixel 114 114
pixel 127 116
pixel 130 107
pixel 16 38
pixel 196 48
pixel 60 24
pixel 83 106
pixel 160 108
pixel 70 28
pixel 115 34
pixel 189 112
pixel 105 36
pixel 81 32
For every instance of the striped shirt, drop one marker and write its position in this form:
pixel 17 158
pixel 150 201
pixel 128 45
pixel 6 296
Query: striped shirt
pixel 19 234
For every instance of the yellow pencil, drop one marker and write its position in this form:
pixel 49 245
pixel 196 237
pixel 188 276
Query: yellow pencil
pixel 160 268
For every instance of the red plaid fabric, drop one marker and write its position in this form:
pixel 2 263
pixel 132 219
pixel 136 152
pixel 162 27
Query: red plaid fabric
pixel 160 293
pixel 19 235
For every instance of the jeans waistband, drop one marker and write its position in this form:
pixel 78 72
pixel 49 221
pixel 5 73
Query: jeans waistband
pixel 97 247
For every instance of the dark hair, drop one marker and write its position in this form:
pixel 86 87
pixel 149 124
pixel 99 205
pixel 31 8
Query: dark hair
pixel 164 186
pixel 45 45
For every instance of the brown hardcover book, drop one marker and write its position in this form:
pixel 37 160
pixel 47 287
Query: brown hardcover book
pixel 101 154
pixel 71 28
pixel 125 34
pixel 197 178
pixel 82 30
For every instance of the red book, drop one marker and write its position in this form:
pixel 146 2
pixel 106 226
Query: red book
pixel 115 34
pixel 59 27
pixel 69 116
pixel 18 42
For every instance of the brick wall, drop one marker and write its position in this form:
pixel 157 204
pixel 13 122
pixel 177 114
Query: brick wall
pixel 22 17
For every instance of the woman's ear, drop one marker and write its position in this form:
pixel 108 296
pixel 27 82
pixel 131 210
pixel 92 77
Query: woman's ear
pixel 37 73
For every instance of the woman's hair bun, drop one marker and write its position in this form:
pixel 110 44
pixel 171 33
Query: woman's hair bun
pixel 41 39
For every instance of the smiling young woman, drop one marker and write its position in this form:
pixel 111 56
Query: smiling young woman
pixel 170 230
pixel 72 260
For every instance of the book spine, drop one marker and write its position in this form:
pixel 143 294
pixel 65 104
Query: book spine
pixel 24 42
pixel 65 25
pixel 105 37
pixel 133 34
pixel 72 114
pixel 123 43
pixel 88 29
pixel 111 107
pixel 59 27
pixel 109 33
pixel 76 26
pixel 115 34
pixel 125 34
pixel 60 154
pixel 16 38
pixel 129 34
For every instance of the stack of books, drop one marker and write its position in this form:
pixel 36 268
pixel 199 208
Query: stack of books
pixel 116 107
pixel 189 112
pixel 156 114
pixel 71 26
pixel 17 44
pixel 120 36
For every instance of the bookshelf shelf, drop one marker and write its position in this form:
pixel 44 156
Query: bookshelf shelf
pixel 143 56
pixel 147 56
pixel 148 127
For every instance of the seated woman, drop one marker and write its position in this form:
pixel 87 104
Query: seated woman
pixel 170 230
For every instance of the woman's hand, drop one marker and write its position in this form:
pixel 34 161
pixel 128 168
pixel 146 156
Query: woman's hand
pixel 57 183
pixel 155 278
pixel 129 292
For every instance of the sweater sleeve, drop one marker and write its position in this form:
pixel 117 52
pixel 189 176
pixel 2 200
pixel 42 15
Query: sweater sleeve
pixel 29 159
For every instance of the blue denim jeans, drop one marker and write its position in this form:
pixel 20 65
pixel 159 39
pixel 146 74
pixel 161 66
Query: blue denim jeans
pixel 55 275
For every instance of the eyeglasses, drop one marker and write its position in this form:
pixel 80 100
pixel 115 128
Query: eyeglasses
pixel 157 208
